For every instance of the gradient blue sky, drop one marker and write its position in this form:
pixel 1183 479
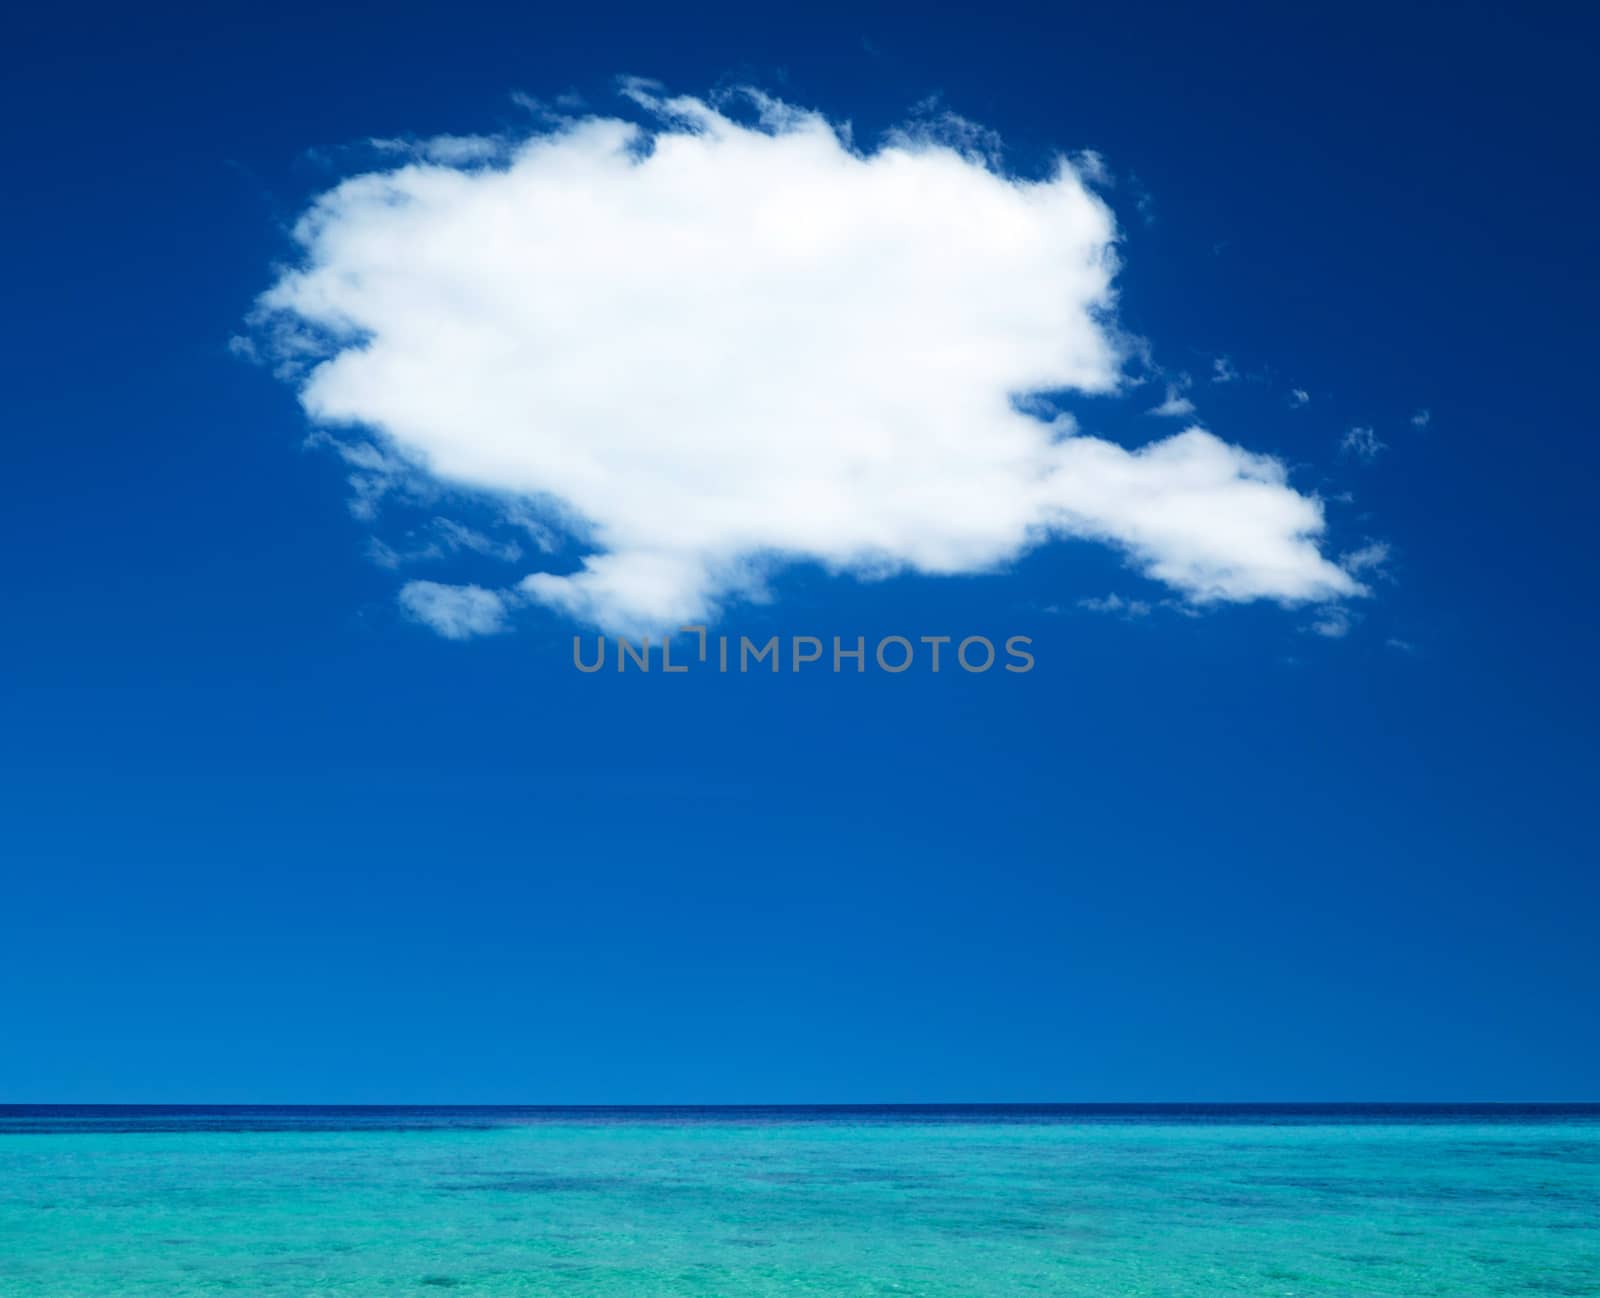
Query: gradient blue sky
pixel 264 839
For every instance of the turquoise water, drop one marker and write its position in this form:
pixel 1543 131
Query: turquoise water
pixel 934 1204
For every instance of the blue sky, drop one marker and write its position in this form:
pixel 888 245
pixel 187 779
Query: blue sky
pixel 267 837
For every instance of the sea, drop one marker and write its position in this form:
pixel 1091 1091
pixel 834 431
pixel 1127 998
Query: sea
pixel 982 1201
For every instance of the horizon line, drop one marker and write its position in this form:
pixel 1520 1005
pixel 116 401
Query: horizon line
pixel 657 1105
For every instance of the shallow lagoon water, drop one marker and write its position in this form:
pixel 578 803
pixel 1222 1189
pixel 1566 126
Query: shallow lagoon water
pixel 987 1202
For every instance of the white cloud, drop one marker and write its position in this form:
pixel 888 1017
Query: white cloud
pixel 1422 419
pixel 385 555
pixel 1144 203
pixel 1115 603
pixel 374 472
pixel 453 150
pixel 1091 165
pixel 520 515
pixel 1362 443
pixel 1370 557
pixel 715 346
pixel 1333 622
pixel 455 612
pixel 442 537
pixel 457 536
pixel 930 124
pixel 1299 397
pixel 1176 405
pixel 1223 370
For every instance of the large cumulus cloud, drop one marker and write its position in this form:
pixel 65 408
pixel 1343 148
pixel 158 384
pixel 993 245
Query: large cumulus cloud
pixel 720 342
